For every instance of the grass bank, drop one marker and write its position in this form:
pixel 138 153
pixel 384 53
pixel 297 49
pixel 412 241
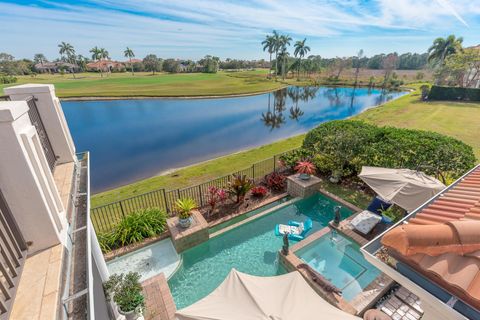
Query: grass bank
pixel 144 84
pixel 456 119
pixel 199 173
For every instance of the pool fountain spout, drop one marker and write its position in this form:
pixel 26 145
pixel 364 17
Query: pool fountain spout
pixel 286 244
pixel 336 220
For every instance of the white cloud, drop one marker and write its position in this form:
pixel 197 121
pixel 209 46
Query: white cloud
pixel 192 28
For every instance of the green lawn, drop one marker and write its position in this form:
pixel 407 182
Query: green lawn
pixel 159 85
pixel 199 173
pixel 456 119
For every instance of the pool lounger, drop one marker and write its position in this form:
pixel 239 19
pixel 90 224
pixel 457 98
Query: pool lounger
pixel 295 230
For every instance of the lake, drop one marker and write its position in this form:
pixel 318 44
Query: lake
pixel 131 140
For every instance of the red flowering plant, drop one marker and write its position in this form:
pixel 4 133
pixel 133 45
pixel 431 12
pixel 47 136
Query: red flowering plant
pixel 259 191
pixel 214 196
pixel 305 167
pixel 275 181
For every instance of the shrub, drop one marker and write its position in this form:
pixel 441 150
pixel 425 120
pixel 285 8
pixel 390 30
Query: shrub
pixel 239 187
pixel 425 89
pixel 275 181
pixel 290 159
pixel 259 191
pixel 135 227
pixel 125 290
pixel 345 146
pixel 5 79
pixel 185 207
pixel 454 93
pixel 305 167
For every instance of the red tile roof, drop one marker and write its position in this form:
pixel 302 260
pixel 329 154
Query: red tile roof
pixel 448 256
pixel 461 201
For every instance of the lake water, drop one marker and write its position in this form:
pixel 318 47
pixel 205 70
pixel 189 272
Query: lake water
pixel 135 139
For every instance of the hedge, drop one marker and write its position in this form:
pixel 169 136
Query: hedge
pixel 454 93
pixel 342 147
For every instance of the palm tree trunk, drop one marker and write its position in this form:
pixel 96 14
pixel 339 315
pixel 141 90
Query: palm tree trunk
pixel 276 64
pixel 270 70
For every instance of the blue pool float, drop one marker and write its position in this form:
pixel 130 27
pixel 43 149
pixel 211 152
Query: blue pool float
pixel 296 230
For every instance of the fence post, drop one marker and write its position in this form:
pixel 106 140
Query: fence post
pixel 253 171
pixel 121 208
pixel 165 199
pixel 274 163
pixel 200 194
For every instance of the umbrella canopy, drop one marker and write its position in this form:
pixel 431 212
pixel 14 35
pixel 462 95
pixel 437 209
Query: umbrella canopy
pixel 406 188
pixel 245 297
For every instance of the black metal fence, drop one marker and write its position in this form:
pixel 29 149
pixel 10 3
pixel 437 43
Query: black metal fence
pixel 36 120
pixel 105 217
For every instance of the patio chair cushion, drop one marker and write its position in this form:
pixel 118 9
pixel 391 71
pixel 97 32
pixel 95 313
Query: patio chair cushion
pixel 365 221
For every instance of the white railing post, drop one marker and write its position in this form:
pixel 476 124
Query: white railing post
pixel 52 117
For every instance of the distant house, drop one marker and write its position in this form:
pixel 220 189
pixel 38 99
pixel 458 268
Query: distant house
pixel 106 65
pixel 55 67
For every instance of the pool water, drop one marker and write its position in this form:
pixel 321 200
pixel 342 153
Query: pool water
pixel 148 261
pixel 251 248
pixel 339 260
pixel 247 215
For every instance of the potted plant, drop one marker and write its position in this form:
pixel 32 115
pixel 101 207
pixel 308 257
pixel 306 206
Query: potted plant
pixel 185 207
pixel 126 292
pixel 305 169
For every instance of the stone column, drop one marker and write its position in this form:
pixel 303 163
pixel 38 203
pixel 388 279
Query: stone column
pixel 26 180
pixel 52 117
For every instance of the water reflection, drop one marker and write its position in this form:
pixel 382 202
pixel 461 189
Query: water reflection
pixel 135 139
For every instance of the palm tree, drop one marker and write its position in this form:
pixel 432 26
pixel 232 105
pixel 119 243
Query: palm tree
pixel 104 55
pixel 96 57
pixel 300 50
pixel 68 50
pixel 441 48
pixel 276 47
pixel 39 58
pixel 283 56
pixel 128 53
pixel 284 42
pixel 269 45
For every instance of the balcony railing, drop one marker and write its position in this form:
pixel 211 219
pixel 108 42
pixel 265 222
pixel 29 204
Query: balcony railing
pixel 12 256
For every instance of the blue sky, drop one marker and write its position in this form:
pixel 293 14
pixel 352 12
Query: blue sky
pixel 191 29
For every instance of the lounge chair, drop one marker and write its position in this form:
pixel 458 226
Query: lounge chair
pixel 295 230
pixel 366 220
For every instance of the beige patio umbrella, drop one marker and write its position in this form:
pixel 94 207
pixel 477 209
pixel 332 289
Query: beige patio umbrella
pixel 245 297
pixel 407 188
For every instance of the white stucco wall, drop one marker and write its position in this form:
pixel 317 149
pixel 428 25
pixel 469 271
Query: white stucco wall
pixel 52 117
pixel 26 181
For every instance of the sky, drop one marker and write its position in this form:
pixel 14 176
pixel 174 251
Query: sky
pixel 190 29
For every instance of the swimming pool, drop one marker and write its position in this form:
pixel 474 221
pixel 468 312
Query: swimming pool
pixel 339 260
pixel 251 247
pixel 149 261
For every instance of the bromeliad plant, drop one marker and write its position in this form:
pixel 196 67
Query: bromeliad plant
pixel 185 207
pixel 305 167
pixel 239 187
pixel 126 292
pixel 259 191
